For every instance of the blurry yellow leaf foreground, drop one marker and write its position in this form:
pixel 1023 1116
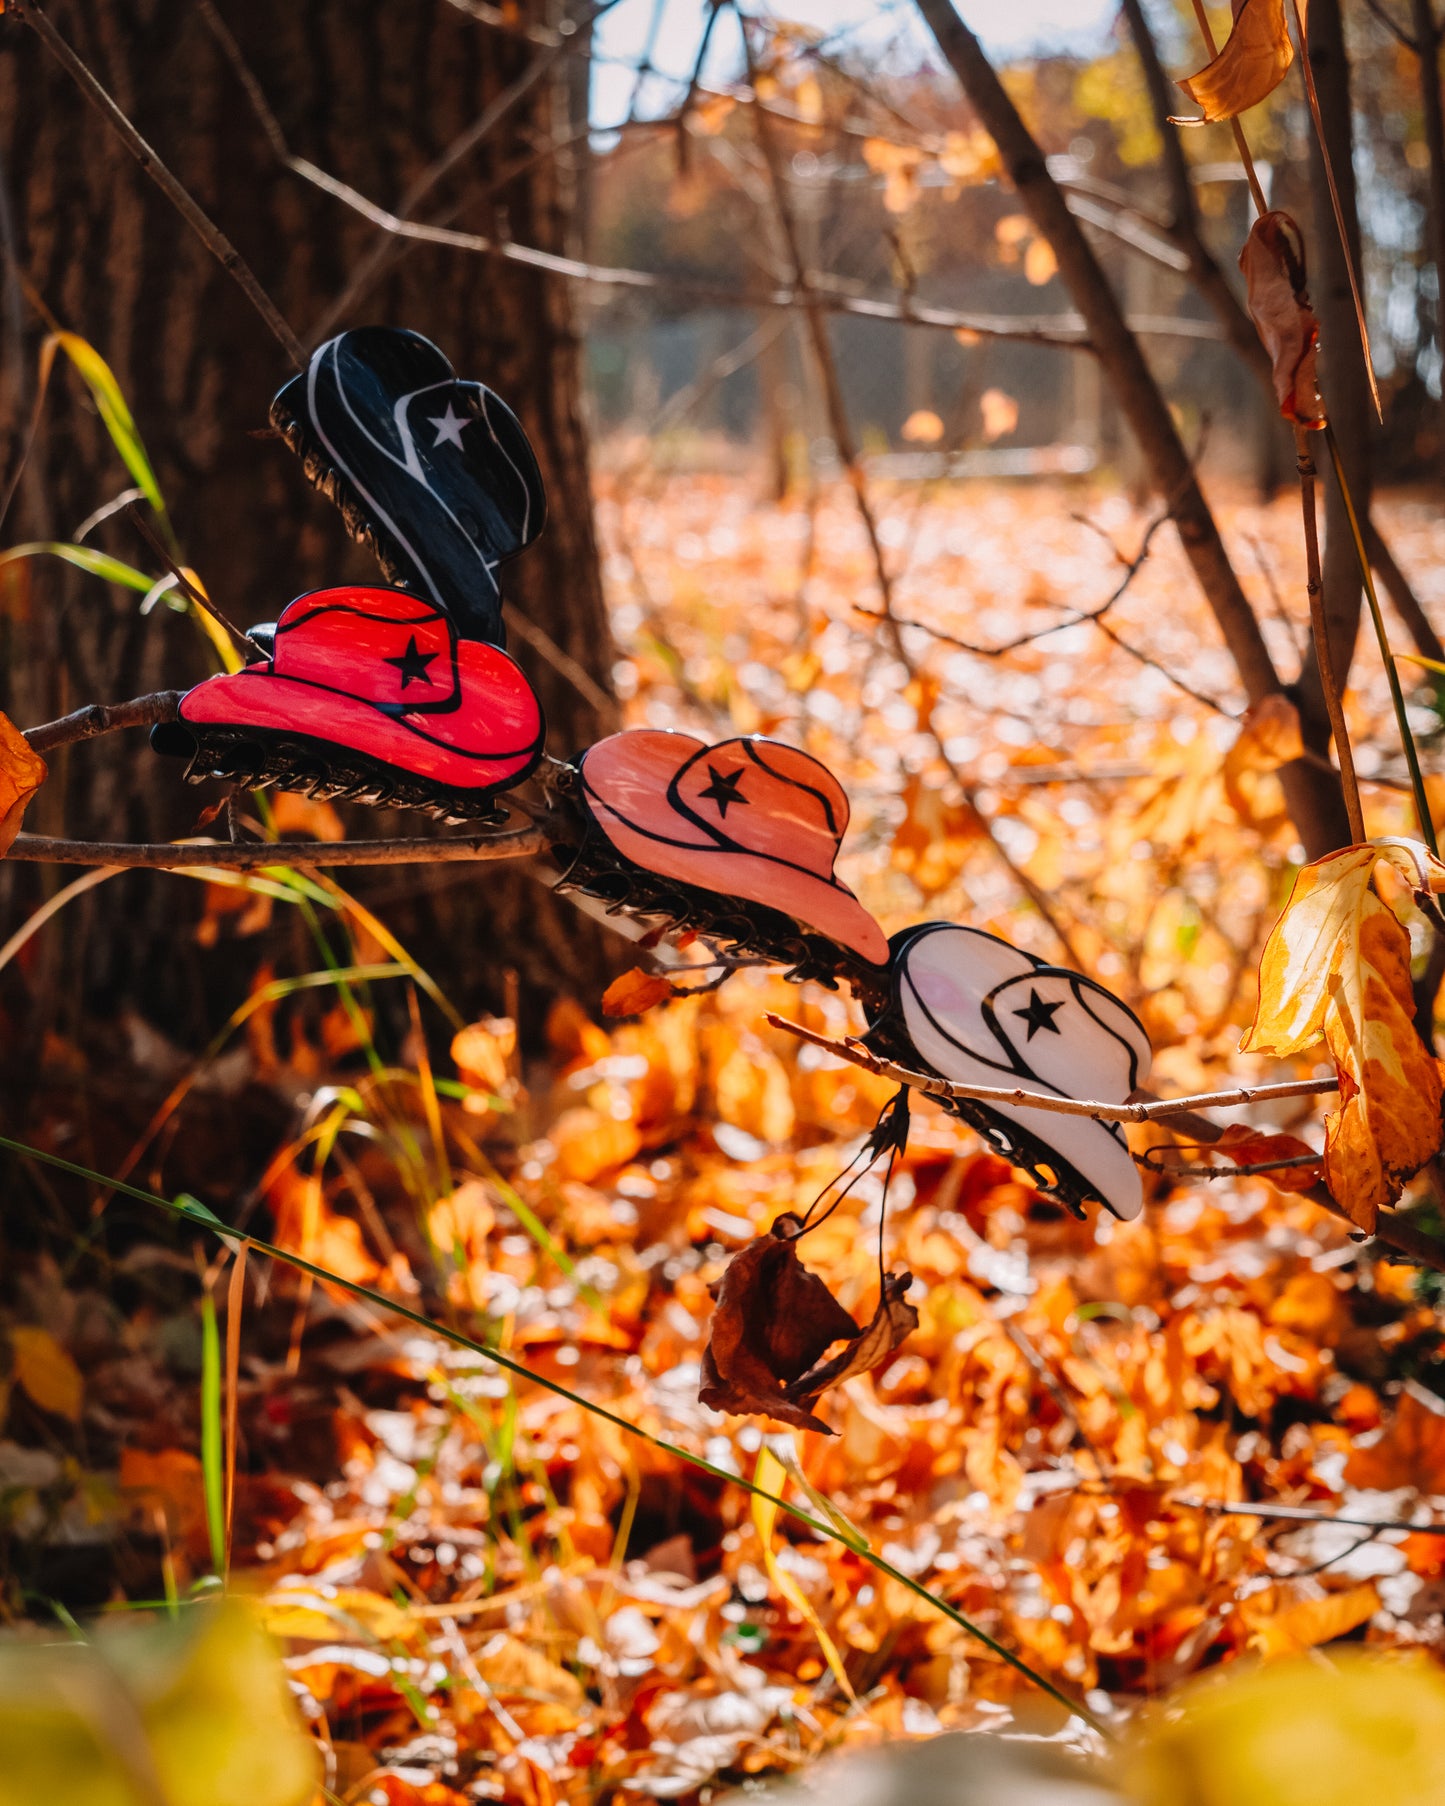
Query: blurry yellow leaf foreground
pixel 1337 967
pixel 1299 1732
pixel 195 1713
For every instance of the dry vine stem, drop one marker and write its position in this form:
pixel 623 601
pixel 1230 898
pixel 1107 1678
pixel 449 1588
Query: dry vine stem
pixel 1063 1106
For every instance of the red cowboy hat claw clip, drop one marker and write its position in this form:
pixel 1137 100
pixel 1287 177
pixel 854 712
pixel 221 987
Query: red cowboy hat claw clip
pixel 749 818
pixel 366 694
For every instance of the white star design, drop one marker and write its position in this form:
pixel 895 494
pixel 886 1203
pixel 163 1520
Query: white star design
pixel 449 428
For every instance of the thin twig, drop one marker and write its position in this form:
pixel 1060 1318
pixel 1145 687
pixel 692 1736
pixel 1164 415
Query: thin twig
pixel 932 1086
pixel 1296 1514
pixel 1319 628
pixel 193 595
pixel 204 228
pixel 254 855
pixel 103 718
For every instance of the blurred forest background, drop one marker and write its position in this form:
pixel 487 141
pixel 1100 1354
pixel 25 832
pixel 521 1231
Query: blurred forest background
pixel 895 395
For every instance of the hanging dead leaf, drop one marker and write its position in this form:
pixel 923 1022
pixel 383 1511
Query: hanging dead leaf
pixel 1248 1147
pixel 894 1319
pixel 774 1321
pixel 1273 263
pixel 22 772
pixel 1254 61
pixel 1337 966
pixel 635 992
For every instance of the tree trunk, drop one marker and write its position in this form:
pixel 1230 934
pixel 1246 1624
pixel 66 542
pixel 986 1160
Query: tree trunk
pixel 1426 32
pixel 373 95
pixel 1343 378
pixel 1314 797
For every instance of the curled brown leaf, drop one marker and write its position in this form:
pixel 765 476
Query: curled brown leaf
pixel 1254 61
pixel 1273 263
pixel 773 1320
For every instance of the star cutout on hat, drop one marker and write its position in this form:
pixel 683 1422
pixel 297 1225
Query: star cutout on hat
pixel 724 789
pixel 449 428
pixel 413 663
pixel 1040 1014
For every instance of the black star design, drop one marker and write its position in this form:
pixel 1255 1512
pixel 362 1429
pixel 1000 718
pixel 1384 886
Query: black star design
pixel 1040 1014
pixel 724 789
pixel 413 663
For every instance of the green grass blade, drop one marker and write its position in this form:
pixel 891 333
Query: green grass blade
pixel 85 558
pixel 116 416
pixel 212 1459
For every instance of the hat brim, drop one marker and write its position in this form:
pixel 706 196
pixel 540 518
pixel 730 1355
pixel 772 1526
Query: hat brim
pixel 830 909
pixel 286 705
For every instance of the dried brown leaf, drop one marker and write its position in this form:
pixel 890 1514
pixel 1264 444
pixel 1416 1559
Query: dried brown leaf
pixel 774 1320
pixel 1254 61
pixel 1273 263
pixel 892 1322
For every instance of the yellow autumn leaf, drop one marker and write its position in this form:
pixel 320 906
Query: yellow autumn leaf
pixel 22 772
pixel 1337 967
pixel 770 1475
pixel 1327 902
pixel 1388 1123
pixel 1254 61
pixel 46 1372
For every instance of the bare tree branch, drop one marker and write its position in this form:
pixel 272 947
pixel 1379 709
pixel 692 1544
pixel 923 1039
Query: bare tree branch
pixel 254 855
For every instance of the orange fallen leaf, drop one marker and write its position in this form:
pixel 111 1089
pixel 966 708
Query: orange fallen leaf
pixel 635 992
pixel 46 1372
pixel 1254 61
pixel 22 772
pixel 1273 262
pixel 1250 1147
pixel 1410 1452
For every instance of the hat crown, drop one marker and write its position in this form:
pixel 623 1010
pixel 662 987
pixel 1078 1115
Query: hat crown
pixel 381 646
pixel 765 797
pixel 967 991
